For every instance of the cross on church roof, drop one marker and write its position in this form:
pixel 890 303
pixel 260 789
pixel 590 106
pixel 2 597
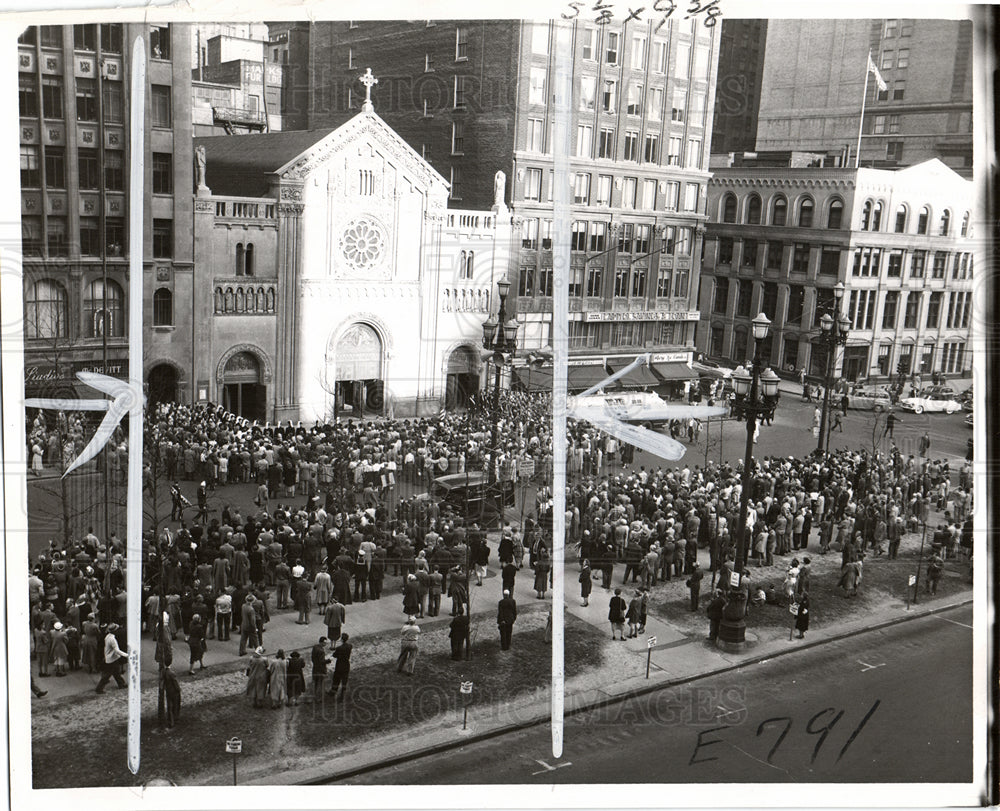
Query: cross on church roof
pixel 367 79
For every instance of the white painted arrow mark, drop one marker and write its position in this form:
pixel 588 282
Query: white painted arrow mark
pixel 124 393
pixel 868 666
pixel 549 768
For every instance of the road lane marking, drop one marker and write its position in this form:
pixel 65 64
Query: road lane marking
pixel 549 768
pixel 868 666
pixel 953 622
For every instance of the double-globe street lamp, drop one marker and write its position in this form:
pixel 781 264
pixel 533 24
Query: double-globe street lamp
pixel 834 331
pixel 756 397
pixel 500 338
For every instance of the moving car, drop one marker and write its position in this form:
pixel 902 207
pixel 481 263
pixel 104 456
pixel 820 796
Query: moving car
pixel 920 404
pixel 870 400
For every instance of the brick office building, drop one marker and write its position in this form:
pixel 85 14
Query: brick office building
pixel 74 112
pixel 779 240
pixel 473 96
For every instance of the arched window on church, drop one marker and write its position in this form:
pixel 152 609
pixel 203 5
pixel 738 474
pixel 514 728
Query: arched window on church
pixel 240 259
pixel 249 259
pixel 469 263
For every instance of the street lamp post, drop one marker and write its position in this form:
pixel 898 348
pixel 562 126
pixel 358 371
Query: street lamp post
pixel 756 396
pixel 834 334
pixel 500 338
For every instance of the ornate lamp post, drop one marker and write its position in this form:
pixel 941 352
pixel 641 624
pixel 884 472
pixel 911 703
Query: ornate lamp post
pixel 500 338
pixel 835 329
pixel 756 396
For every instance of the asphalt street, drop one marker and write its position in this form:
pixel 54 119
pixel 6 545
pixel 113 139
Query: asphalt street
pixel 892 705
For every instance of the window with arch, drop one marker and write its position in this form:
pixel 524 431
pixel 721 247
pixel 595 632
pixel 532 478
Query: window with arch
pixel 163 308
pixel 104 310
pixel 877 216
pixel 922 220
pixel 901 214
pixel 965 224
pixel 835 217
pixel 779 212
pixel 729 208
pixel 753 209
pixel 945 223
pixel 240 259
pixel 46 310
pixel 806 213
pixel 468 263
pixel 249 260
pixel 866 216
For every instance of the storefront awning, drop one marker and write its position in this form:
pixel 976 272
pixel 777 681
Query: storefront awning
pixel 674 371
pixel 637 378
pixel 579 378
pixel 534 379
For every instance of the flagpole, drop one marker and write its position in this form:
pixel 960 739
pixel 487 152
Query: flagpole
pixel 864 98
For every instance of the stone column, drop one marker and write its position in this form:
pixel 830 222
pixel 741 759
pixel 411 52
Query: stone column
pixel 286 350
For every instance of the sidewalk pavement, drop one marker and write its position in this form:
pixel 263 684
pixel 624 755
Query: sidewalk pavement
pixel 675 659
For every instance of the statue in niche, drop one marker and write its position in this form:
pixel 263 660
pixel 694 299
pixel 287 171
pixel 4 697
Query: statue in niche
pixel 199 156
pixel 499 189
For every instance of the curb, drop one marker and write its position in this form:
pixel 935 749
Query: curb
pixel 611 700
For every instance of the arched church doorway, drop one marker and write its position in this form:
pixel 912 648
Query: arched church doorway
pixel 162 384
pixel 463 377
pixel 242 391
pixel 358 357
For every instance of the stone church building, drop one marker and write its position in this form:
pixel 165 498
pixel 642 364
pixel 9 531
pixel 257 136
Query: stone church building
pixel 332 279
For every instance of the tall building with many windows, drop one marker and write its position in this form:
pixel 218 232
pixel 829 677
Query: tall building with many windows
pixel 812 81
pixel 74 107
pixel 475 97
pixel 900 241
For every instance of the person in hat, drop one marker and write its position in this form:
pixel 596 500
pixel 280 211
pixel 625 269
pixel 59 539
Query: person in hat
pixel 506 616
pixel 319 662
pixel 296 677
pixel 633 615
pixel 257 677
pixel 411 595
pixel 202 503
pixel 616 614
pixel 802 617
pixel 196 642
pixel 694 584
pixel 458 633
pixel 172 693
pixel 408 646
pixel 248 625
pixel 301 594
pixel 278 680
pixel 341 668
pixel 58 651
pixel 586 582
pixel 112 655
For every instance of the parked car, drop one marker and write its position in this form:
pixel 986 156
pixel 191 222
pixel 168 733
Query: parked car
pixel 471 495
pixel 939 393
pixel 870 400
pixel 918 405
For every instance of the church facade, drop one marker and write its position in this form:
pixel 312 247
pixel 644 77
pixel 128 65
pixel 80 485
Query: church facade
pixel 331 278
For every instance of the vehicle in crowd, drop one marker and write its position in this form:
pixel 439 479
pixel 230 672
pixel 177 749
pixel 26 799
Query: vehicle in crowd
pixel 469 493
pixel 968 420
pixel 965 398
pixel 870 399
pixel 922 403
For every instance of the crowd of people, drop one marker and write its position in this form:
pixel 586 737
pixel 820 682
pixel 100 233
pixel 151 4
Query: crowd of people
pixel 327 529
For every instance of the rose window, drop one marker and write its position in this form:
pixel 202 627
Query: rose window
pixel 362 243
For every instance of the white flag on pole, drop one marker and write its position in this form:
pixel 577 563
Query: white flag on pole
pixel 878 76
